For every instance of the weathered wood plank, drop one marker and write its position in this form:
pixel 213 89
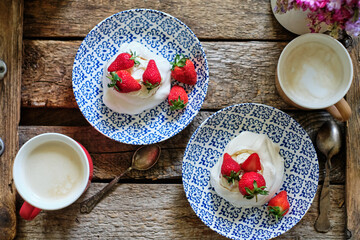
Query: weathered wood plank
pixel 112 158
pixel 353 151
pixel 11 30
pixel 219 19
pixel 239 72
pixel 156 211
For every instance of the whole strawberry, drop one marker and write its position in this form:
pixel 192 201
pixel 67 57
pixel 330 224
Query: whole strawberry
pixel 252 163
pixel 183 70
pixel 151 76
pixel 123 82
pixel 279 205
pixel 230 169
pixel 177 98
pixel 123 61
pixel 251 184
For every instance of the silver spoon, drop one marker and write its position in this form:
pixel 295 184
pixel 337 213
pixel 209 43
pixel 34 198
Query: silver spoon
pixel 328 141
pixel 143 159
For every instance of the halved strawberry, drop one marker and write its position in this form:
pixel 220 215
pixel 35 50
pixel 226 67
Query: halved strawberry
pixel 252 163
pixel 279 205
pixel 251 184
pixel 230 169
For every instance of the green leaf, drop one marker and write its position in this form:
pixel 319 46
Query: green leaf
pixel 150 86
pixel 133 57
pixel 255 191
pixel 276 212
pixel 179 61
pixel 356 15
pixel 114 79
pixel 248 191
pixel 177 104
pixel 233 176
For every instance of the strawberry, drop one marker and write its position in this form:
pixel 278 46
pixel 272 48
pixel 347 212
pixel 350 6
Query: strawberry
pixel 183 70
pixel 252 163
pixel 251 184
pixel 151 76
pixel 123 61
pixel 230 169
pixel 279 205
pixel 123 82
pixel 177 98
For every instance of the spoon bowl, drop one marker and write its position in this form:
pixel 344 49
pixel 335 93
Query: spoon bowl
pixel 328 141
pixel 144 158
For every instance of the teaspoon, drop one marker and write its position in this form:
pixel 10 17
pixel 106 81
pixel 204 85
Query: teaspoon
pixel 328 141
pixel 144 158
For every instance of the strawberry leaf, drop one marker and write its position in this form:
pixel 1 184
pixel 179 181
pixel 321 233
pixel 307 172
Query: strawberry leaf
pixel 233 176
pixel 179 61
pixel 114 79
pixel 255 191
pixel 276 212
pixel 177 104
pixel 133 57
pixel 150 86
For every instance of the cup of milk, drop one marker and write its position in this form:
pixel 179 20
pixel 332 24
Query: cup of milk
pixel 315 71
pixel 51 171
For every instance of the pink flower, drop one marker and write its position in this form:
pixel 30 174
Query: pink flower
pixel 338 14
pixel 353 27
pixel 334 5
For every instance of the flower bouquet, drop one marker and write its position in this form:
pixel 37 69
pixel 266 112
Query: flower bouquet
pixel 338 15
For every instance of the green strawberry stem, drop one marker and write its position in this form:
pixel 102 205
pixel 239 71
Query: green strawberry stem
pixel 179 61
pixel 276 211
pixel 114 79
pixel 257 190
pixel 177 104
pixel 150 86
pixel 233 176
pixel 133 57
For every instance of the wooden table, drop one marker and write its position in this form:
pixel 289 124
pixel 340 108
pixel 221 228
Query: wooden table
pixel 242 41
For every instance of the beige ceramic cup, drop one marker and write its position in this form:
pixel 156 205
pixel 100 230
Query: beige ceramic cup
pixel 315 71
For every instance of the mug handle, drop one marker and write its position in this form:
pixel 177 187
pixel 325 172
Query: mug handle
pixel 340 110
pixel 28 212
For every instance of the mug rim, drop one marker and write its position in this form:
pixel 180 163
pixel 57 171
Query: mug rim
pixel 51 204
pixel 317 36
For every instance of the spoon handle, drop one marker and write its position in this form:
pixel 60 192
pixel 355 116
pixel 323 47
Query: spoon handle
pixel 322 224
pixel 88 205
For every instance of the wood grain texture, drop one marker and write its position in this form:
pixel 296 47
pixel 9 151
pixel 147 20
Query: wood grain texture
pixel 353 151
pixel 155 211
pixel 111 157
pixel 239 72
pixel 11 30
pixel 220 19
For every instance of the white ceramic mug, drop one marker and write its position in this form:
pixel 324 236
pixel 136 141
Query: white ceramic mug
pixel 51 171
pixel 315 71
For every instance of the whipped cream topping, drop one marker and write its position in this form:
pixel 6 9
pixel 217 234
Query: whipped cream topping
pixel 138 101
pixel 272 165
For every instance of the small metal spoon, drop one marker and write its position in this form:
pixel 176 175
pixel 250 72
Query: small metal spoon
pixel 143 159
pixel 328 141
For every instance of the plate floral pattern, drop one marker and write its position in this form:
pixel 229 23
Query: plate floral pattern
pixel 207 145
pixel 162 34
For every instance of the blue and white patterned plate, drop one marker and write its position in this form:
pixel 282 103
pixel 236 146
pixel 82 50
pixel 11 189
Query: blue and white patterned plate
pixel 162 34
pixel 207 145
